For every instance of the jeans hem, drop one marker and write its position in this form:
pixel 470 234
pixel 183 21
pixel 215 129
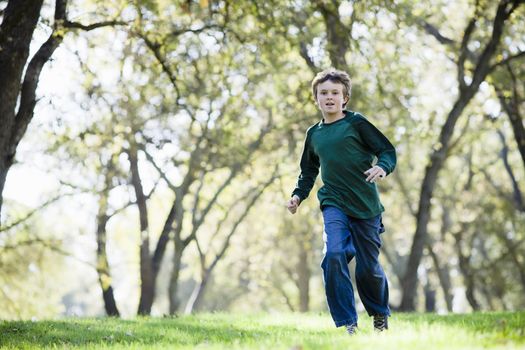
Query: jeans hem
pixel 345 322
pixel 378 314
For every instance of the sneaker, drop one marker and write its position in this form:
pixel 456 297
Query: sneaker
pixel 380 323
pixel 351 328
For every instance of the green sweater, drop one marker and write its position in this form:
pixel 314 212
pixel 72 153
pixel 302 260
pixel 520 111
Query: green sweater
pixel 344 150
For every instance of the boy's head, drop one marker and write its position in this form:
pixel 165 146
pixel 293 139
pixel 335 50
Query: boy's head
pixel 335 76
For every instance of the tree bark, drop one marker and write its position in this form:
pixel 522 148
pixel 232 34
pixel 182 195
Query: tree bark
pixel 515 256
pixel 442 268
pixel 174 301
pixel 443 276
pixel 303 278
pixel 511 106
pixel 517 197
pixel 147 286
pixel 16 31
pixel 337 34
pixel 466 271
pixel 195 300
pixel 104 275
pixel 19 21
pixel 430 294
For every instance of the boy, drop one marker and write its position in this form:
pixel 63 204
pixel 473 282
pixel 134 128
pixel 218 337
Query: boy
pixel 344 144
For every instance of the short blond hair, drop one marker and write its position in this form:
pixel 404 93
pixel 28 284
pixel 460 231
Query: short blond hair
pixel 336 76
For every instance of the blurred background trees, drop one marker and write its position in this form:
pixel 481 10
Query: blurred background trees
pixel 153 176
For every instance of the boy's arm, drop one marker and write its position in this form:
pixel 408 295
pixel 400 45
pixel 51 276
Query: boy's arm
pixel 378 145
pixel 309 170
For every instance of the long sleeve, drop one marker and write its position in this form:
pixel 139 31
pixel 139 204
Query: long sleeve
pixel 378 144
pixel 309 169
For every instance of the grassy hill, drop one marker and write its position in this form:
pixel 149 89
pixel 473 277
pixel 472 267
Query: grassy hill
pixel 269 331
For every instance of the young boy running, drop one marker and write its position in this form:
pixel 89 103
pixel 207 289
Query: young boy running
pixel 344 145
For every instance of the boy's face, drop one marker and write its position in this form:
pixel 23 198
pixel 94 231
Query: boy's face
pixel 330 97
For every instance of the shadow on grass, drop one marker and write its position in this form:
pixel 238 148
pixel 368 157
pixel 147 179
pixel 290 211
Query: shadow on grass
pixel 146 331
pixel 226 330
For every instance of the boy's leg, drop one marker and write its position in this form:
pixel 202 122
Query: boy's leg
pixel 371 280
pixel 338 250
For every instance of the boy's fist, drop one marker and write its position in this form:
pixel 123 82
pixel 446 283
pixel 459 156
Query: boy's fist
pixel 293 204
pixel 375 173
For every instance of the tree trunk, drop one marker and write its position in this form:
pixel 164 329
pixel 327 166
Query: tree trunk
pixel 174 280
pixel 511 106
pixel 337 34
pixel 430 295
pixel 515 258
pixel 442 268
pixel 16 31
pixel 466 271
pixel 104 276
pixel 469 283
pixel 303 278
pixel 517 197
pixel 444 278
pixel 147 287
pixel 5 164
pixel 487 296
pixel 437 160
pixel 439 155
pixel 196 297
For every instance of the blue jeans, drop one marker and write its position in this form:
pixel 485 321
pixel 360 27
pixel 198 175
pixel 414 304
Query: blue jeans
pixel 344 238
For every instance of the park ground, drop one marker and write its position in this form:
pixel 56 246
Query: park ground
pixel 268 331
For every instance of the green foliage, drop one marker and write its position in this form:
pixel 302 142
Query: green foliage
pixel 222 71
pixel 27 260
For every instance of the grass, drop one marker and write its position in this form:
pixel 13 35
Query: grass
pixel 268 331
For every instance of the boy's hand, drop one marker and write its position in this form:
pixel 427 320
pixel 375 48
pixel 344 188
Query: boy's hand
pixel 375 173
pixel 293 204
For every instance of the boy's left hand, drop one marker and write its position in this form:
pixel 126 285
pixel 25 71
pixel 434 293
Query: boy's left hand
pixel 375 173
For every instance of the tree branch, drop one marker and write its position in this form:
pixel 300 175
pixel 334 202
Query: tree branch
pixel 179 32
pixel 32 75
pixel 507 60
pixel 233 173
pixel 247 209
pixel 432 30
pixel 517 196
pixel 303 51
pixel 162 174
pixel 35 210
pixel 497 188
pixel 51 245
pixel 464 51
pixel 482 66
pixel 88 27
pixel 155 48
pixel 512 108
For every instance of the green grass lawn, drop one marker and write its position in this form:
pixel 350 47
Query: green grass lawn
pixel 269 331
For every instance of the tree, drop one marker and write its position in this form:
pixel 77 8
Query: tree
pixel 481 67
pixel 206 269
pixel 18 84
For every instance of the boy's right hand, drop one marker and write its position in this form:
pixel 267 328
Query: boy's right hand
pixel 293 204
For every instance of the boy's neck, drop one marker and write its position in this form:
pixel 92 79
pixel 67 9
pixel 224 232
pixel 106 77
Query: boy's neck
pixel 330 118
